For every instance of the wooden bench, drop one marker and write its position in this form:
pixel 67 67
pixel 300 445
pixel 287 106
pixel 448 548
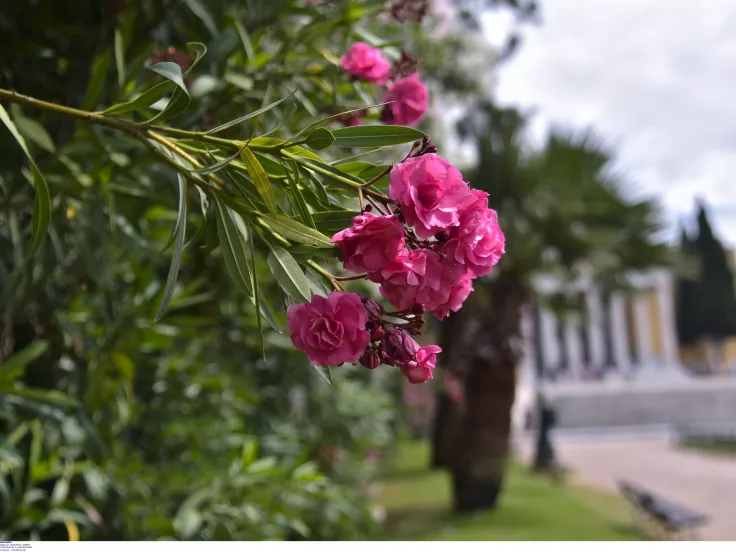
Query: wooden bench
pixel 661 518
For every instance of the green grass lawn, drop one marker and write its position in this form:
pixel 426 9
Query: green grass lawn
pixel 532 507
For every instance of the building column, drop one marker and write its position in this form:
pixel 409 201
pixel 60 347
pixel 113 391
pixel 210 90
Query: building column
pixel 595 328
pixel 550 345
pixel 574 346
pixel 642 329
pixel 666 299
pixel 528 361
pixel 619 333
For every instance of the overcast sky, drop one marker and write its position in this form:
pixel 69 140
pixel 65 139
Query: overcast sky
pixel 655 78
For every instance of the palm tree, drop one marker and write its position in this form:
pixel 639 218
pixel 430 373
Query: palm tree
pixel 564 212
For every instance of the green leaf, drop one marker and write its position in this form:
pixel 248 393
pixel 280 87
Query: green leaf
pixel 221 164
pixel 32 130
pixel 181 226
pixel 371 136
pixel 244 38
pixel 43 396
pixel 12 368
pixel 96 81
pixel 149 97
pixel 324 373
pixel 232 245
pixel 317 283
pixel 198 50
pixel 260 179
pixel 171 71
pixel 42 210
pixel 203 14
pixel 120 56
pixel 178 102
pixel 332 222
pixel 320 139
pixel 301 205
pixel 248 116
pixel 288 274
pixel 296 231
pixel 257 296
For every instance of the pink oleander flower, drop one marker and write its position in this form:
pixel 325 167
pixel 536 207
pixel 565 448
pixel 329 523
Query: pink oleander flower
pixel 410 101
pixel 477 241
pixel 372 242
pixel 430 192
pixel 418 277
pixel 366 63
pixel 330 330
pixel 457 295
pixel 420 369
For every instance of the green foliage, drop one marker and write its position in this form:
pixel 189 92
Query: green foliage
pixel 141 265
pixel 706 306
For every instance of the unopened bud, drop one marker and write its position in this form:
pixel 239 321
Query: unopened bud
pixel 399 347
pixel 377 334
pixel 370 359
pixel 373 309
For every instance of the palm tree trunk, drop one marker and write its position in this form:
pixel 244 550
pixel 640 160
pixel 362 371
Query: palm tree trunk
pixel 442 431
pixel 454 343
pixel 482 445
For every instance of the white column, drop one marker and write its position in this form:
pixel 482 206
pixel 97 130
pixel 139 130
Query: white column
pixel 619 334
pixel 595 328
pixel 642 329
pixel 666 299
pixel 550 345
pixel 574 346
pixel 527 334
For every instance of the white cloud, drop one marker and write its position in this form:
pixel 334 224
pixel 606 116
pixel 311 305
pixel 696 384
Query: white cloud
pixel 654 78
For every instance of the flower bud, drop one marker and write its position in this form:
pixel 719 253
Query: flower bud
pixel 373 309
pixel 377 334
pixel 399 347
pixel 370 359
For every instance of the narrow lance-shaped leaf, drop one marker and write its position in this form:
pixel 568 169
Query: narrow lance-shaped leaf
pixel 120 56
pixel 181 225
pixel 221 164
pixel 13 367
pixel 149 97
pixel 296 231
pixel 96 81
pixel 204 15
pixel 32 130
pixel 244 38
pixel 288 274
pixel 248 116
pixel 324 373
pixel 232 245
pixel 371 136
pixel 260 178
pixel 257 295
pixel 42 212
pixel 171 71
pixel 301 204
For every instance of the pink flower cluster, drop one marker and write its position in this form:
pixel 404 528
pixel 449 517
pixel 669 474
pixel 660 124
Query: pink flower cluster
pixel 423 256
pixel 408 96
pixel 345 327
pixel 455 238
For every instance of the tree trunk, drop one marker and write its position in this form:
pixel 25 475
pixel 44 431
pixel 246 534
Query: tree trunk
pixel 454 342
pixel 442 431
pixel 482 445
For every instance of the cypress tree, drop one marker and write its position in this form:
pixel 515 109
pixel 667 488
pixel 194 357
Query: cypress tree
pixel 686 292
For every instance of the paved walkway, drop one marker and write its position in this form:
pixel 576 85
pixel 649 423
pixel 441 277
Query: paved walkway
pixel 701 482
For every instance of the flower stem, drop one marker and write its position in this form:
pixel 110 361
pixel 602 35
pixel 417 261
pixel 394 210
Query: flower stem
pixel 331 277
pixel 348 278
